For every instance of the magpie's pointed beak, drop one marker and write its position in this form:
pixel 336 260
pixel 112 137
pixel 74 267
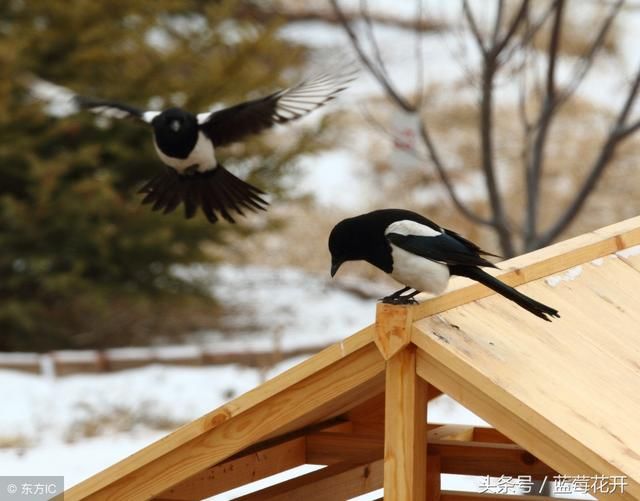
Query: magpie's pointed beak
pixel 334 267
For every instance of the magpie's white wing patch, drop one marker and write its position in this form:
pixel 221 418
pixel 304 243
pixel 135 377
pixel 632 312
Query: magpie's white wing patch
pixel 110 109
pixel 203 117
pixel 236 122
pixel 307 96
pixel 407 227
pixel 148 116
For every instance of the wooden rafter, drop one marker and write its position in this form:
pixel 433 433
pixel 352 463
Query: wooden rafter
pixel 347 372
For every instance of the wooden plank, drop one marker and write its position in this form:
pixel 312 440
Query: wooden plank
pixel 240 471
pixel 332 448
pixel 631 256
pixel 451 432
pixel 336 482
pixel 405 441
pixel 352 376
pixel 393 328
pixel 456 457
pixel 368 418
pixel 433 477
pixel 546 445
pixel 537 264
pixel 590 358
pixel 481 458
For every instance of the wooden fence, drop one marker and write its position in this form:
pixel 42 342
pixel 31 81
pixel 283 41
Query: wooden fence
pixel 60 363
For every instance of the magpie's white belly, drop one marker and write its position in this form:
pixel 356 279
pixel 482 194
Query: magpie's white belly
pixel 419 273
pixel 202 155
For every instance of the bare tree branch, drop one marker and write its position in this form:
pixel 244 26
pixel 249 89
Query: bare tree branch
pixel 587 59
pixel 617 133
pixel 531 31
pixel 498 22
pixel 474 27
pixel 444 176
pixel 628 130
pixel 513 27
pixel 420 87
pixel 371 66
pixel 535 163
pixel 489 68
pixel 364 11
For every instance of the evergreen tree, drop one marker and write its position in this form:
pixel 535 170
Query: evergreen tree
pixel 81 262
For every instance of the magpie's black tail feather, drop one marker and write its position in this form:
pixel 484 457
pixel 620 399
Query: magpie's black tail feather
pixel 216 191
pixel 541 310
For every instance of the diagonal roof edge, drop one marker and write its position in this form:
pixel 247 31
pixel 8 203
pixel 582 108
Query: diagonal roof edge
pixel 323 363
pixel 537 264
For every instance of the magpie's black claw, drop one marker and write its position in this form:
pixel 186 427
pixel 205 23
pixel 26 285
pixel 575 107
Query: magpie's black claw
pixel 398 300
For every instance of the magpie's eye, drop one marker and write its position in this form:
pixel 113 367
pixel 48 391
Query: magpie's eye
pixel 175 125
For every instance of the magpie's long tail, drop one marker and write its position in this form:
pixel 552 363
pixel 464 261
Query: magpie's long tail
pixel 541 310
pixel 217 192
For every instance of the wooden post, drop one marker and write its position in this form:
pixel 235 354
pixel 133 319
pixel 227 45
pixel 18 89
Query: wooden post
pixel 405 438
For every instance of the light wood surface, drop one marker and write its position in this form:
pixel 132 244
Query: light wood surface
pixel 405 437
pixel 537 264
pixel 241 471
pixel 568 390
pixel 337 482
pixel 343 373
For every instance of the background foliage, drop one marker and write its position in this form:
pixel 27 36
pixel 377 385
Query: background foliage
pixel 81 262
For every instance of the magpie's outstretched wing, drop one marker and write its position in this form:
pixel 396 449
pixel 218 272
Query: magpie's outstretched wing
pixel 111 109
pixel 444 248
pixel 234 123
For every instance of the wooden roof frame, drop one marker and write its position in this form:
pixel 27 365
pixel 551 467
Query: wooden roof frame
pixel 360 407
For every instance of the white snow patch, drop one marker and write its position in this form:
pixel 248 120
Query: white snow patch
pixel 292 308
pixel 567 276
pixel 598 262
pixel 629 252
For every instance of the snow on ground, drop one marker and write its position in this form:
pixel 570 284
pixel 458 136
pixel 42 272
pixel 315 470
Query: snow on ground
pixel 287 307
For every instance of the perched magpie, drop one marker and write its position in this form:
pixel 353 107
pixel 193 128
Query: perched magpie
pixel 186 144
pixel 419 254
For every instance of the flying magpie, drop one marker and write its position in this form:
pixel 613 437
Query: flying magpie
pixel 186 144
pixel 419 254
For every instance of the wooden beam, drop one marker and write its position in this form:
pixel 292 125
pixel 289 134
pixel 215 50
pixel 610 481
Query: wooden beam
pixel 433 477
pixel 339 481
pixel 481 458
pixel 405 441
pixel 451 432
pixel 456 457
pixel 393 328
pixel 332 448
pixel 350 376
pixel 240 471
pixel 258 461
pixel 537 264
pixel 368 418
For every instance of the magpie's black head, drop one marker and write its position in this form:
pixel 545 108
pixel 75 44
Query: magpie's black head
pixel 176 132
pixel 360 238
